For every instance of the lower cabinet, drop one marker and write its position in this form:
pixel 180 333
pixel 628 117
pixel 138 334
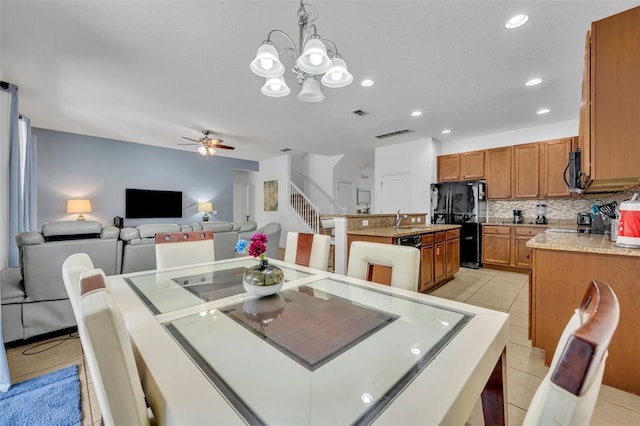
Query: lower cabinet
pixel 427 266
pixel 506 245
pixel 452 254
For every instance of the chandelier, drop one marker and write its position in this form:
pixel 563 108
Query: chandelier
pixel 312 62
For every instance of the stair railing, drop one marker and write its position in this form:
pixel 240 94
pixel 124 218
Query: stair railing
pixel 333 206
pixel 303 206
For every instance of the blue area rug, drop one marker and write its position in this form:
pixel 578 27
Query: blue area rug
pixel 52 399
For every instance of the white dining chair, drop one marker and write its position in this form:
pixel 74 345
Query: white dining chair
pixel 109 353
pixel 184 248
pixel 398 266
pixel 569 391
pixel 310 250
pixel 72 268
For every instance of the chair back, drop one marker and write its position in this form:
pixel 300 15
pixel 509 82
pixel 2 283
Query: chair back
pixel 310 250
pixel 568 393
pixel 72 267
pixel 398 266
pixel 108 350
pixel 184 248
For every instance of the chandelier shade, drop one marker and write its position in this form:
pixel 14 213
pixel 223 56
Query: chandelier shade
pixel 267 62
pixel 275 87
pixel 311 91
pixel 338 75
pixel 313 56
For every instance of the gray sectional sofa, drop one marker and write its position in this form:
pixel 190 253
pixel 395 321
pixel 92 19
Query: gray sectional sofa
pixel 34 299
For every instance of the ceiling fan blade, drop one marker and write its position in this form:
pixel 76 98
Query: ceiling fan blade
pixel 189 139
pixel 188 144
pixel 223 146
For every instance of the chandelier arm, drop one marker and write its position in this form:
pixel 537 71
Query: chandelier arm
pixel 306 30
pixel 335 48
pixel 293 45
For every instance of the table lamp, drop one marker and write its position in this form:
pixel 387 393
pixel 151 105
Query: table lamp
pixel 205 207
pixel 79 206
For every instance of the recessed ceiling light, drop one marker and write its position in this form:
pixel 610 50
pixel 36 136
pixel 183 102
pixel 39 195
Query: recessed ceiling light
pixel 445 131
pixel 367 83
pixel 543 111
pixel 533 82
pixel 416 113
pixel 516 21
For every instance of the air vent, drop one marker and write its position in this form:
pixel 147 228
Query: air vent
pixel 396 133
pixel 361 112
pixel 285 150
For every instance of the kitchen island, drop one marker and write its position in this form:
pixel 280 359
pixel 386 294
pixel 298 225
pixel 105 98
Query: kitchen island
pixel 439 247
pixel 562 265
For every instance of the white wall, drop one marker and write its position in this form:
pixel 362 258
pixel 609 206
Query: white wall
pixel 562 129
pixel 419 157
pixel 4 176
pixel 276 169
pixel 351 168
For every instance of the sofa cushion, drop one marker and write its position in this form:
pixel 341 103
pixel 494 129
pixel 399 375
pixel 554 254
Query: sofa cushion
pixel 127 234
pixel 149 230
pixel 29 238
pixel 217 226
pixel 71 227
pixel 110 233
pixel 12 288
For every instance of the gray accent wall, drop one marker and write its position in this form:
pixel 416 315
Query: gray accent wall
pixel 77 166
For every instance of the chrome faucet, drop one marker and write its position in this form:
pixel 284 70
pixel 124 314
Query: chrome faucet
pixel 398 219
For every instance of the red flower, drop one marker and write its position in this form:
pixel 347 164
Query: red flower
pixel 260 237
pixel 257 248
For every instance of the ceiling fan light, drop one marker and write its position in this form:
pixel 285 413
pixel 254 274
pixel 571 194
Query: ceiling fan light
pixel 211 151
pixel 314 58
pixel 338 75
pixel 275 87
pixel 311 91
pixel 267 63
pixel 202 150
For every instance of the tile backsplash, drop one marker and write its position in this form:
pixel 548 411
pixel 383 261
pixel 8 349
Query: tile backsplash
pixel 557 209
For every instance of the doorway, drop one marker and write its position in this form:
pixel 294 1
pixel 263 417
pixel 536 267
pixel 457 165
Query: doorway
pixel 395 192
pixel 345 196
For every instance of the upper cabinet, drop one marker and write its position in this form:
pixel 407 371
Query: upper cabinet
pixel 610 132
pixel 554 155
pixel 463 166
pixel 472 165
pixel 498 172
pixel 526 160
pixel 448 167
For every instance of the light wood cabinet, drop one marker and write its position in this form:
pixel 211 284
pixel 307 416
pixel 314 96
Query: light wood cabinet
pixel 505 246
pixel 526 165
pixel 609 125
pixel 559 279
pixel 439 263
pixel 472 165
pixel 498 168
pixel 448 167
pixel 427 277
pixel 555 155
pixel 496 245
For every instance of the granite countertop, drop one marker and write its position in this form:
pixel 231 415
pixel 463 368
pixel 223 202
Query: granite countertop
pixel 552 223
pixel 403 231
pixel 585 243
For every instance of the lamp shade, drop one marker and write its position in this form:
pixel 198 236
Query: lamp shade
pixel 314 58
pixel 311 91
pixel 267 63
pixel 275 87
pixel 338 75
pixel 79 206
pixel 205 207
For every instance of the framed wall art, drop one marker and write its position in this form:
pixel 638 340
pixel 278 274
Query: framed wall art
pixel 271 195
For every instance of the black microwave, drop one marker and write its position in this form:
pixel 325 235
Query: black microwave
pixel 574 181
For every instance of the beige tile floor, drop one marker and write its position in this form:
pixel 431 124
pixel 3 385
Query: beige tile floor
pixel 504 291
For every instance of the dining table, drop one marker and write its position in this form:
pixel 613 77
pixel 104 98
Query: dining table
pixel 326 349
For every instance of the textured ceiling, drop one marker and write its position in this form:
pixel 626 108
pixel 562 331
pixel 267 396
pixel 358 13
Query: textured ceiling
pixel 153 71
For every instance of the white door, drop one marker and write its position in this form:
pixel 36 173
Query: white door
pixel 251 202
pixel 395 191
pixel 345 197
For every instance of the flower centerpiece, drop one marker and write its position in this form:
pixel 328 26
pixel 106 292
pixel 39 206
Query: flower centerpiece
pixel 262 279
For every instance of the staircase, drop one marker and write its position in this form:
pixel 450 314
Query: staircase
pixel 305 209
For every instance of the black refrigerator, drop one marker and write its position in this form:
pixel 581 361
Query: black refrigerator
pixel 463 203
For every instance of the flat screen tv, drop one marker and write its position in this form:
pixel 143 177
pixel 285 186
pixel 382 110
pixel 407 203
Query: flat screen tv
pixel 148 203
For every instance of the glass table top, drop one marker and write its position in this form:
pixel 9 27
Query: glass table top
pixel 285 358
pixel 164 291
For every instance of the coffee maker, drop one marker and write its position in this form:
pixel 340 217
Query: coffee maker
pixel 517 216
pixel 541 211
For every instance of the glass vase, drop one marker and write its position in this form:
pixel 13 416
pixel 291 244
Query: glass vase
pixel 263 279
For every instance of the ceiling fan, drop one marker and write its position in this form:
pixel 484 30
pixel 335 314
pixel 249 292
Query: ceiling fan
pixel 207 144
